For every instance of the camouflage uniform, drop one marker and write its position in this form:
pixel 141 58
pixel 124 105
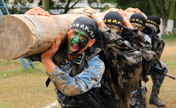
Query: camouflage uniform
pixel 80 78
pixel 153 22
pixel 138 42
pixel 157 78
pixel 121 77
pixel 123 67
pixel 81 88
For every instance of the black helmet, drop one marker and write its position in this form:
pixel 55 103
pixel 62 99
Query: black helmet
pixel 155 21
pixel 138 18
pixel 114 18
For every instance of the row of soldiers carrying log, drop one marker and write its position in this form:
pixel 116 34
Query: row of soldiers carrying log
pixel 106 61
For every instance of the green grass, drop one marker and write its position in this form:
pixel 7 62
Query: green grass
pixel 24 88
pixel 169 38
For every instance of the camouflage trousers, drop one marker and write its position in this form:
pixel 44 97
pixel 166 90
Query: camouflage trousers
pixel 158 78
pixel 138 99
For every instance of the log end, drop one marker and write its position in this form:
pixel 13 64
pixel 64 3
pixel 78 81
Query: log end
pixel 14 37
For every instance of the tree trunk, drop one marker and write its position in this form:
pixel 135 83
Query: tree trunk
pixel 45 4
pixel 170 21
pixel 163 25
pixel 152 6
pixel 163 17
pixel 67 8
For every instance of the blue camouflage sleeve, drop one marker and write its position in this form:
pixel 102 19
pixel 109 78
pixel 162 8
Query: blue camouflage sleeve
pixel 81 83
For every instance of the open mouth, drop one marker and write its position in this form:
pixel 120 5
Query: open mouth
pixel 74 47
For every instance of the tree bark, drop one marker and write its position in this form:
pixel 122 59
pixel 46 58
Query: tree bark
pixel 152 6
pixel 45 4
pixel 170 21
pixel 67 8
pixel 19 37
pixel 163 17
pixel 162 9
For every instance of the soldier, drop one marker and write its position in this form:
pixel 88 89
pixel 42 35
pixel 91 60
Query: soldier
pixel 157 46
pixel 122 62
pixel 139 96
pixel 118 62
pixel 134 38
pixel 75 70
pixel 77 81
pixel 73 74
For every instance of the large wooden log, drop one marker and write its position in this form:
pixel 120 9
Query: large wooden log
pixel 31 34
pixel 24 35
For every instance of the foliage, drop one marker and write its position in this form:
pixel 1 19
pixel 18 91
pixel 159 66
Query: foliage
pixel 20 6
pixel 142 5
pixel 51 4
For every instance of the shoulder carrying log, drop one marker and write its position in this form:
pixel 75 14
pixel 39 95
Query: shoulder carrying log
pixel 23 35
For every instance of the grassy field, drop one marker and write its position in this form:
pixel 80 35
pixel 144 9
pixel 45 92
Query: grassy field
pixel 25 88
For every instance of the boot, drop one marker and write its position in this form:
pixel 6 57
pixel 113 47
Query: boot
pixel 154 98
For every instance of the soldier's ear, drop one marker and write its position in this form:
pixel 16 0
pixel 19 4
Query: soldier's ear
pixel 92 41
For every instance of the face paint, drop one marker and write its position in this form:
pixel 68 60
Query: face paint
pixel 77 42
pixel 137 26
pixel 113 28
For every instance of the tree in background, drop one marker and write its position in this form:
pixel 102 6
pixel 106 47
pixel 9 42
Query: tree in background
pixel 161 8
pixel 19 6
pixel 165 9
pixel 60 4
pixel 46 4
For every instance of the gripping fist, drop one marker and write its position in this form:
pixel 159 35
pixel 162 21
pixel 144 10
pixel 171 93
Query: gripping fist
pixel 55 46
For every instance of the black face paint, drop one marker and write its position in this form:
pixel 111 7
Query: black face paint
pixel 118 33
pixel 81 42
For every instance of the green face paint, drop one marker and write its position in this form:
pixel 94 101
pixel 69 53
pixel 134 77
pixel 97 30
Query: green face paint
pixel 113 30
pixel 77 42
pixel 74 39
pixel 137 26
pixel 80 32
